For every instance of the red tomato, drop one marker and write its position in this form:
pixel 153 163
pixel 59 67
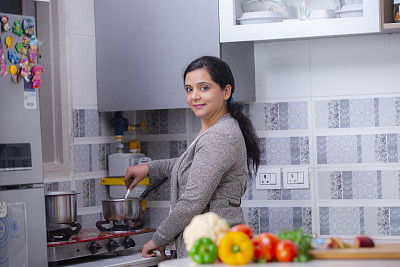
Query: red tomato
pixel 243 228
pixel 265 246
pixel 286 250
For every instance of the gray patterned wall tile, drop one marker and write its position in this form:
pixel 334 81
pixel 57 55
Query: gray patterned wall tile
pixel 298 115
pixel 392 148
pixel 294 151
pixel 304 150
pixel 322 114
pixel 376 112
pixel 383 221
pixel 336 185
pixel 371 220
pixel 365 185
pixel 253 219
pixel 297 217
pixel 344 221
pixel 271 113
pixel 278 151
pixel 163 114
pixel 307 220
pixel 274 194
pixel 105 128
pixel 92 123
pixel 286 194
pixel 263 151
pixel 81 121
pixel 324 220
pixel 264 220
pixel 75 123
pixel 359 149
pixel 280 219
pixel 362 220
pixel 324 184
pixel 82 158
pixel 395 221
pixel 380 148
pixel 397 109
pixel 177 148
pixel 322 157
pixel 101 192
pixel 344 107
pixel 301 194
pixel 341 149
pixel 379 184
pixel 283 116
pixel 347 184
pixel 177 121
pixel 362 112
pixel 334 114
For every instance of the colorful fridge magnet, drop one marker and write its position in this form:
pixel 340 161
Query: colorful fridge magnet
pixel 28 27
pixel 21 49
pixel 25 41
pixel 13 57
pixel 3 66
pixel 13 71
pixel 4 21
pixel 36 72
pixel 34 44
pixel 8 41
pixel 17 29
pixel 24 69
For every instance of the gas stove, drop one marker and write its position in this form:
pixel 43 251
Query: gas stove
pixel 91 242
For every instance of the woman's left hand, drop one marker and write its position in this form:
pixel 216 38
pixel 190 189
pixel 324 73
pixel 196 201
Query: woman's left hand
pixel 148 250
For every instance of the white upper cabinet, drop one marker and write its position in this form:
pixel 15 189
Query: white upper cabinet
pixel 235 29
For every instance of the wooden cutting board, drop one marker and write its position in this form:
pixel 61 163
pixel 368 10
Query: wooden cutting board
pixel 380 251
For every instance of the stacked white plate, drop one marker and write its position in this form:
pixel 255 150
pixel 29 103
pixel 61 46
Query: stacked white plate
pixel 351 11
pixel 264 11
pixel 261 17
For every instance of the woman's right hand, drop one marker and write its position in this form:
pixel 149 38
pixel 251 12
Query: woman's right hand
pixel 134 174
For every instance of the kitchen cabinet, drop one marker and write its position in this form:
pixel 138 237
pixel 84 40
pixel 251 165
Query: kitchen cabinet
pixel 232 31
pixel 143 47
pixel 388 24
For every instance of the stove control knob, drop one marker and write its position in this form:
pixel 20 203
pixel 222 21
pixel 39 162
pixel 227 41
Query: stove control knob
pixel 112 245
pixel 94 247
pixel 128 242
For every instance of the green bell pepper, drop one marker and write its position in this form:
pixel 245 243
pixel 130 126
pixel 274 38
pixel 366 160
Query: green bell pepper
pixel 204 251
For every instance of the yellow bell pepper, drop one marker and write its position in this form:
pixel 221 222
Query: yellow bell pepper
pixel 236 248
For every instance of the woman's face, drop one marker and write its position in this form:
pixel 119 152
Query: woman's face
pixel 205 97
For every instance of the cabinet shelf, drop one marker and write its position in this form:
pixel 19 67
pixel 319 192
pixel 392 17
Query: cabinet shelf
pixel 231 10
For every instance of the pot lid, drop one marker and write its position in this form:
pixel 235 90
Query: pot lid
pixel 60 193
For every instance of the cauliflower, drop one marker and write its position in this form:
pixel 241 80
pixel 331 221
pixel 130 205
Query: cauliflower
pixel 205 225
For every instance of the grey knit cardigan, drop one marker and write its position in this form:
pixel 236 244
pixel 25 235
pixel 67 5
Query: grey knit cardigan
pixel 211 175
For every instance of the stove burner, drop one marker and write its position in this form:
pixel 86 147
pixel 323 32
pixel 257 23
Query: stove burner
pixel 116 226
pixel 62 232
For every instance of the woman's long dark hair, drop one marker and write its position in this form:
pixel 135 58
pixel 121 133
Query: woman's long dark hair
pixel 221 73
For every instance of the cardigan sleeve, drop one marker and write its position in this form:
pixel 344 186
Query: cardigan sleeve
pixel 161 168
pixel 214 155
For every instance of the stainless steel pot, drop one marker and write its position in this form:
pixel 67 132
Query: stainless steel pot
pixel 126 209
pixel 60 207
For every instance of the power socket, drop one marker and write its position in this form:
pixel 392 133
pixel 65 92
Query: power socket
pixel 268 178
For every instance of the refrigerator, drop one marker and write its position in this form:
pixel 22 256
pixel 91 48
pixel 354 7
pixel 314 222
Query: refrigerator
pixel 22 202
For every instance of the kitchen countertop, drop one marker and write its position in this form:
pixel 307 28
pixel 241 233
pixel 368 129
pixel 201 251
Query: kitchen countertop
pixel 187 262
pixel 133 258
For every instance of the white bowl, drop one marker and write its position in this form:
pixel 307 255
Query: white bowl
pixel 351 11
pixel 322 14
pixel 266 5
pixel 261 17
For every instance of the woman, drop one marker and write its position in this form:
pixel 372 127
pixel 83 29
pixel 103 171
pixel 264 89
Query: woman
pixel 211 175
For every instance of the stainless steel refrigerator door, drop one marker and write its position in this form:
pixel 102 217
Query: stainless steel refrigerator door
pixel 18 124
pixel 35 221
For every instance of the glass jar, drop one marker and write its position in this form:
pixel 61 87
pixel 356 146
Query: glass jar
pixel 396 10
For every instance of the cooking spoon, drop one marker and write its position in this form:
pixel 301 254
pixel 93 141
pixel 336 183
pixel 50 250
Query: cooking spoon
pixel 127 193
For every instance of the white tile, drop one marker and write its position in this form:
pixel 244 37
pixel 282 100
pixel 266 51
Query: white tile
pixel 368 148
pixel 321 114
pixel 371 220
pixel 282 70
pixel 324 185
pixel 257 115
pixel 390 185
pixel 387 112
pixel 355 65
pixel 80 14
pixel 83 70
